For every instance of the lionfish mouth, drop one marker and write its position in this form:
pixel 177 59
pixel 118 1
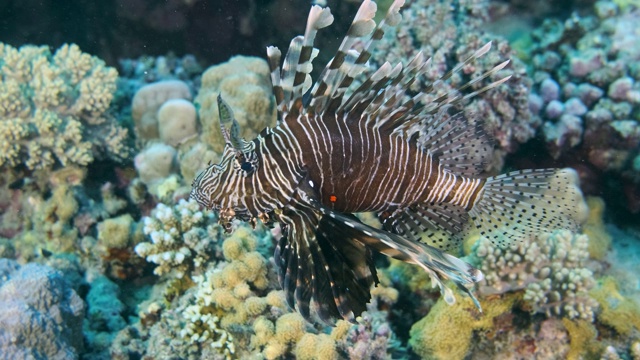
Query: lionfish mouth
pixel 226 216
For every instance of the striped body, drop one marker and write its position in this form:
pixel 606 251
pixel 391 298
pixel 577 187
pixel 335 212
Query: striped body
pixel 356 167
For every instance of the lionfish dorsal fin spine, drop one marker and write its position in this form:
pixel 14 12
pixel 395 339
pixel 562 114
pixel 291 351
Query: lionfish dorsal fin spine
pixel 445 101
pixel 292 81
pixel 289 72
pixel 326 89
pixel 273 55
pixel 338 76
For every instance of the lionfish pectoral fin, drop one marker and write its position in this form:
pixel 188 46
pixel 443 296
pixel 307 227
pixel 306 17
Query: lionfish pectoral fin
pixel 513 206
pixel 317 261
pixel 440 265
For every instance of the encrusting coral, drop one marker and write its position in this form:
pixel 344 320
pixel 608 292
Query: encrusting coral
pixel 54 108
pixel 446 332
pixel 618 311
pixel 41 315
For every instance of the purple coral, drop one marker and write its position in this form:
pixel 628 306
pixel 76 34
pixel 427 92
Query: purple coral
pixel 41 315
pixel 595 115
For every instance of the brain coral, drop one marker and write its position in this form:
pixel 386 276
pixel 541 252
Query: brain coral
pixel 53 108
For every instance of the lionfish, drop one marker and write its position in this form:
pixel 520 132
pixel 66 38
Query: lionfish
pixel 377 148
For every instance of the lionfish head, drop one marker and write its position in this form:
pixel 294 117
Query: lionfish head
pixel 218 187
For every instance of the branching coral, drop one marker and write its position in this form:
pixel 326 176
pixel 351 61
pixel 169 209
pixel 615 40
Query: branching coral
pixel 551 270
pixel 179 238
pixel 53 108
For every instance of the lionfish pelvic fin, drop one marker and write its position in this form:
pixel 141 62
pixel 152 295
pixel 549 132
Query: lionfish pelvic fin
pixel 438 264
pixel 317 260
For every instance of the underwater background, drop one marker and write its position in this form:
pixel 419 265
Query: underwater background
pixel 108 111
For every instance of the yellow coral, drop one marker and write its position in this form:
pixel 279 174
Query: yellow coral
pixel 290 328
pixel 341 330
pixel 255 305
pixel 264 330
pixel 618 311
pixel 583 336
pixel 446 332
pixel 242 290
pixel 244 84
pixel 115 233
pixel 224 298
pixel 60 100
pixel 316 347
pixel 599 239
pixel 274 350
pixel 276 298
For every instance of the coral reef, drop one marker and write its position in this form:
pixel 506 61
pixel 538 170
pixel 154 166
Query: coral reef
pixel 244 84
pixel 177 121
pixel 104 313
pixel 149 69
pixel 148 100
pixel 586 91
pixel 618 311
pixel 41 314
pixel 155 163
pixel 449 32
pixel 161 280
pixel 54 108
pixel 447 331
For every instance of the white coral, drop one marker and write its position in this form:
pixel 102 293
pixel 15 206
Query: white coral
pixel 550 269
pixel 179 239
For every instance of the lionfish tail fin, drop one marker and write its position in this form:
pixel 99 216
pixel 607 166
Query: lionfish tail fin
pixel 516 205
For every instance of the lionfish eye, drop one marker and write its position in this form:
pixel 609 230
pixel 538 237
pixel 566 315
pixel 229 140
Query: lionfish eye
pixel 246 166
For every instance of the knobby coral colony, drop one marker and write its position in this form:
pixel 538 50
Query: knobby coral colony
pixel 378 149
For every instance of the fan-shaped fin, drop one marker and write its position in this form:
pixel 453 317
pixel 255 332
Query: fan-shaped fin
pixel 514 206
pixel 460 147
pixel 317 260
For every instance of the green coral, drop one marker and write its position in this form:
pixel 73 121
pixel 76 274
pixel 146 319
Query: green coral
pixel 54 108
